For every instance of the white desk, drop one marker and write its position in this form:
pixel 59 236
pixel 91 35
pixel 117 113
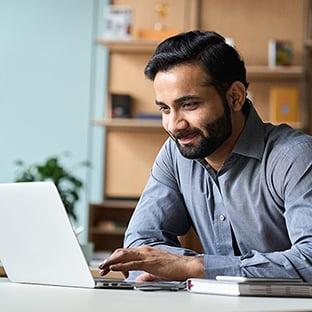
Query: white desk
pixel 35 298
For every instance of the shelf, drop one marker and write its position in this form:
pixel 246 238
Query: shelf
pixel 144 46
pixel 129 46
pixel 130 123
pixel 279 72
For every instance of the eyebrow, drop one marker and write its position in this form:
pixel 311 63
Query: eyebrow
pixel 181 99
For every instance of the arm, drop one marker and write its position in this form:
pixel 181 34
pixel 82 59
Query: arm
pixel 292 180
pixel 160 216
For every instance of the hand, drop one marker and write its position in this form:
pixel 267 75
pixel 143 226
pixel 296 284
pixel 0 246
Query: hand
pixel 156 263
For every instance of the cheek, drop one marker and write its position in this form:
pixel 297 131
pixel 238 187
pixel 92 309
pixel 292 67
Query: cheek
pixel 164 122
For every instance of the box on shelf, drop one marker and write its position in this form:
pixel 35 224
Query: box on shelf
pixel 121 105
pixel 280 53
pixel 284 104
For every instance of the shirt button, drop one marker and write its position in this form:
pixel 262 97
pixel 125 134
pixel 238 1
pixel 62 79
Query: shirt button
pixel 222 217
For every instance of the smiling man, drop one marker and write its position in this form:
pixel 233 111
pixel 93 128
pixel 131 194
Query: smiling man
pixel 244 185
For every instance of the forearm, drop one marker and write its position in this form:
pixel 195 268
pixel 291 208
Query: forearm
pixel 293 263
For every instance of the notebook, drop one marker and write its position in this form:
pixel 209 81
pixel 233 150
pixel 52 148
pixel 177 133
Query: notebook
pixel 240 286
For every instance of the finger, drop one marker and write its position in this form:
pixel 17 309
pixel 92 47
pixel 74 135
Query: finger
pixel 129 266
pixel 146 277
pixel 121 255
pixel 101 266
pixel 104 271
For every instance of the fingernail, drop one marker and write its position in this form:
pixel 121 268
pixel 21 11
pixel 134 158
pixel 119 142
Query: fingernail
pixel 102 264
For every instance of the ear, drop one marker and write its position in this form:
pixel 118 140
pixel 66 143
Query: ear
pixel 236 96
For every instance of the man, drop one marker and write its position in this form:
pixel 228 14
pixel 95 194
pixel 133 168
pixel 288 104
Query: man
pixel 245 186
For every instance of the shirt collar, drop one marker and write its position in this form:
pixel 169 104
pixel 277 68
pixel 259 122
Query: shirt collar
pixel 251 141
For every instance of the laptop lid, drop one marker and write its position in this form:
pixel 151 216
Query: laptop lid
pixel 37 242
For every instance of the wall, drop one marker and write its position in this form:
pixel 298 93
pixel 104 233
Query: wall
pixel 51 86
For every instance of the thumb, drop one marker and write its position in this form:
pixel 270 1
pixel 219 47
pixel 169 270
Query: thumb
pixel 146 277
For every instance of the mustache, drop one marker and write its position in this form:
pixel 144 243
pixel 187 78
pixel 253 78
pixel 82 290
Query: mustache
pixel 185 133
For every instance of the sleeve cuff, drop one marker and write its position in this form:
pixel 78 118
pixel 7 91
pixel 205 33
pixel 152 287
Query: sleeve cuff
pixel 221 265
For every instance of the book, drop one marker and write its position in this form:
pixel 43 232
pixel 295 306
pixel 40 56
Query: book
pixel 280 53
pixel 256 287
pixel 117 22
pixel 284 104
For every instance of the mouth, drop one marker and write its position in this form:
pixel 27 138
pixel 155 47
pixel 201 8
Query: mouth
pixel 188 139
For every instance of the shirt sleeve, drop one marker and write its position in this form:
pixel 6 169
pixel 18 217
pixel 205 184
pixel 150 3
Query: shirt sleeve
pixel 160 216
pixel 292 179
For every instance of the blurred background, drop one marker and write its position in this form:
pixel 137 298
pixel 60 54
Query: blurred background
pixel 52 84
pixel 72 87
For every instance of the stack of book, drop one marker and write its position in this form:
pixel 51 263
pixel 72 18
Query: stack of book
pixel 240 286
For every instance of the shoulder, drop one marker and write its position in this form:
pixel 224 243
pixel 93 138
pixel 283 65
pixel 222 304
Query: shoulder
pixel 287 145
pixel 169 152
pixel 171 160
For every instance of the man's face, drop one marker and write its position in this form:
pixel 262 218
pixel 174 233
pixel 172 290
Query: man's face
pixel 193 113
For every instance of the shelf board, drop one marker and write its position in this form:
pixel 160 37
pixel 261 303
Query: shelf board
pixel 278 72
pixel 258 72
pixel 129 46
pixel 130 123
pixel 116 204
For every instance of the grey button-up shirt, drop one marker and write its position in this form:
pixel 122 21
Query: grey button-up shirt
pixel 263 192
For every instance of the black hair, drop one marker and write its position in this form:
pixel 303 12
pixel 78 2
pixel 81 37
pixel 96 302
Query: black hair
pixel 221 62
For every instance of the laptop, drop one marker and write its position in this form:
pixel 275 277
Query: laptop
pixel 38 244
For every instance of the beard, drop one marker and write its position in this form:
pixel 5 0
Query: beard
pixel 218 132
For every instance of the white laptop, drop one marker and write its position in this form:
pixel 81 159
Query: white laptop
pixel 37 242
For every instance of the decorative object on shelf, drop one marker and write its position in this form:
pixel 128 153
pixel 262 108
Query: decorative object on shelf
pixel 148 116
pixel 68 185
pixel 121 105
pixel 160 31
pixel 284 105
pixel 117 22
pixel 280 53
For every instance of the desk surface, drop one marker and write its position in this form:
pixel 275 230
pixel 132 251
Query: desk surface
pixel 19 297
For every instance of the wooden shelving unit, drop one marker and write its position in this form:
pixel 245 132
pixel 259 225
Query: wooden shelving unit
pixel 132 144
pixel 280 73
pixel 107 222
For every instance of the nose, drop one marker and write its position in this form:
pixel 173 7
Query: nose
pixel 174 122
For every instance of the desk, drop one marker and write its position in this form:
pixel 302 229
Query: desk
pixel 35 298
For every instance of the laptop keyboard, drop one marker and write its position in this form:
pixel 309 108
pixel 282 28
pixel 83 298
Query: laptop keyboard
pixel 147 286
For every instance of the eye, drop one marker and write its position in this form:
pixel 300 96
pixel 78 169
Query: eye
pixel 164 109
pixel 190 105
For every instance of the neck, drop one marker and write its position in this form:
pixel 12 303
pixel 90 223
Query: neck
pixel 217 159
